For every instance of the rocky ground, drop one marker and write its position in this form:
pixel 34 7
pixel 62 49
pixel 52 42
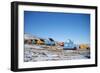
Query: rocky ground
pixel 34 53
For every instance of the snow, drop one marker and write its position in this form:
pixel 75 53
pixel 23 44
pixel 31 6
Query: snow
pixel 34 53
pixel 33 46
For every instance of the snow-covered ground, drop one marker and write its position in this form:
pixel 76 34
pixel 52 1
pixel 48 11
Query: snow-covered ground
pixel 34 53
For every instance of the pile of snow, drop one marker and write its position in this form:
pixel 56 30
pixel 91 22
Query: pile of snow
pixel 33 46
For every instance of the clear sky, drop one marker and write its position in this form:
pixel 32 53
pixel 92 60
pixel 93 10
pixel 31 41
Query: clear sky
pixel 59 26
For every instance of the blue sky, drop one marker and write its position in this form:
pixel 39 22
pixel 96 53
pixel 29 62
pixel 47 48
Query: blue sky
pixel 59 26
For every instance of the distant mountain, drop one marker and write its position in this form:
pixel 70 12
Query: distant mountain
pixel 29 36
